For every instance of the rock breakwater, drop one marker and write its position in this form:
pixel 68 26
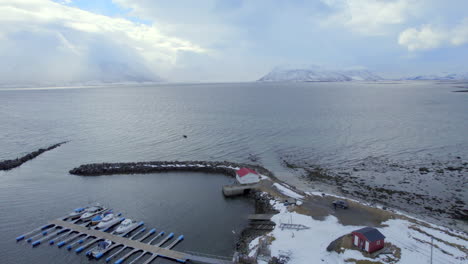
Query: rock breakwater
pixel 223 167
pixel 11 164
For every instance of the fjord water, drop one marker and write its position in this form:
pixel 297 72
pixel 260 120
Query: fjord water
pixel 327 123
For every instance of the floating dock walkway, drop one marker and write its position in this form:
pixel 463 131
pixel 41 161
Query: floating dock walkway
pixel 86 238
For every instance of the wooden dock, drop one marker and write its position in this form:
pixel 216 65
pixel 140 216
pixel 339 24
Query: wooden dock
pixel 87 237
pixel 260 217
pixel 171 254
pixel 156 251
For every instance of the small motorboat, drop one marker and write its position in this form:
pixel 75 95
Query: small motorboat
pixel 92 211
pixel 108 221
pixel 125 226
pixel 98 218
pixel 77 213
pixel 99 250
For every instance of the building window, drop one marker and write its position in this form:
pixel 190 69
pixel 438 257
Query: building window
pixel 378 243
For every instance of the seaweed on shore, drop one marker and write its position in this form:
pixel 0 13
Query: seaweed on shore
pixel 11 164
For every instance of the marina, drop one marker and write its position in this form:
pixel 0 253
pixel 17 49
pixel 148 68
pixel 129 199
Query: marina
pixel 79 236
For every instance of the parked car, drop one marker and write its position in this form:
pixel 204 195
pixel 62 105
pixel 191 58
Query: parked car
pixel 340 204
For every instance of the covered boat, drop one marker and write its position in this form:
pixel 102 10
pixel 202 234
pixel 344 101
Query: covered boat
pixel 77 212
pixel 99 250
pixel 98 218
pixel 90 212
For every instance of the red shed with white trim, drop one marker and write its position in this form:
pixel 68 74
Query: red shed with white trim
pixel 247 176
pixel 368 239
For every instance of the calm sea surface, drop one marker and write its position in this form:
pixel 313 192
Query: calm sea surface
pixel 327 123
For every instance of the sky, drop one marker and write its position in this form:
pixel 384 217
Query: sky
pixel 75 41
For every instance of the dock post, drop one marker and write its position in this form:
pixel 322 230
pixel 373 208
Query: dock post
pixel 19 238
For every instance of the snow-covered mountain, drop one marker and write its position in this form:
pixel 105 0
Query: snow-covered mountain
pixel 318 74
pixel 441 77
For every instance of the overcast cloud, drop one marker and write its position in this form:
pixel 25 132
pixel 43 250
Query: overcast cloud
pixel 77 41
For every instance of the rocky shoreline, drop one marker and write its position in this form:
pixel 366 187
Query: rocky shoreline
pixel 11 164
pixel 262 206
pixel 402 186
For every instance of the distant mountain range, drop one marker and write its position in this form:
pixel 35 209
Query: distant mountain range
pixel 441 77
pixel 321 74
pixel 318 74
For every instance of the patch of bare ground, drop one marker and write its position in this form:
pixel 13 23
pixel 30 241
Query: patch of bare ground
pixel 356 214
pixel 341 244
pixel 319 207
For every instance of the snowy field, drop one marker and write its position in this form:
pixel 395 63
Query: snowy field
pixel 309 246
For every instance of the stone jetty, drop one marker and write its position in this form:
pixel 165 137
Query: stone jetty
pixel 223 167
pixel 10 164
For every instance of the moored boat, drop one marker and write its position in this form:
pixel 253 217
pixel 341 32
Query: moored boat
pixel 125 226
pixel 99 250
pixel 109 221
pixel 98 218
pixel 91 212
pixel 77 213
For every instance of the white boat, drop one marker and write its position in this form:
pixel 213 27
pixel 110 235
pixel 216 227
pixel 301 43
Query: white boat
pixel 77 213
pixel 99 250
pixel 108 221
pixel 98 218
pixel 126 226
pixel 90 212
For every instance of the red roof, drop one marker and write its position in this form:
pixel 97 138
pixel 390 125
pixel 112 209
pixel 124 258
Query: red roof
pixel 370 233
pixel 244 171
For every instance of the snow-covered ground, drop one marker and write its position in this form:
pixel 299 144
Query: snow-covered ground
pixel 309 245
pixel 287 191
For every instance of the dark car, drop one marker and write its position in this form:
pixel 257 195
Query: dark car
pixel 340 204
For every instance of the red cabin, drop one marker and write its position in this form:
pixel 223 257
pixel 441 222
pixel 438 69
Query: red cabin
pixel 368 239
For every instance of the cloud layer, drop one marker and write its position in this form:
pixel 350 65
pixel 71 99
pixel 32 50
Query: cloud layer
pixel 64 42
pixel 370 17
pixel 46 42
pixel 431 37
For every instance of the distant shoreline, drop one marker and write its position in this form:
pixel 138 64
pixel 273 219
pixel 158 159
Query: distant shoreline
pixel 123 84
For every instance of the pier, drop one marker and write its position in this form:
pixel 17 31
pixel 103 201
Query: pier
pixel 87 237
pixel 261 222
pixel 237 189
